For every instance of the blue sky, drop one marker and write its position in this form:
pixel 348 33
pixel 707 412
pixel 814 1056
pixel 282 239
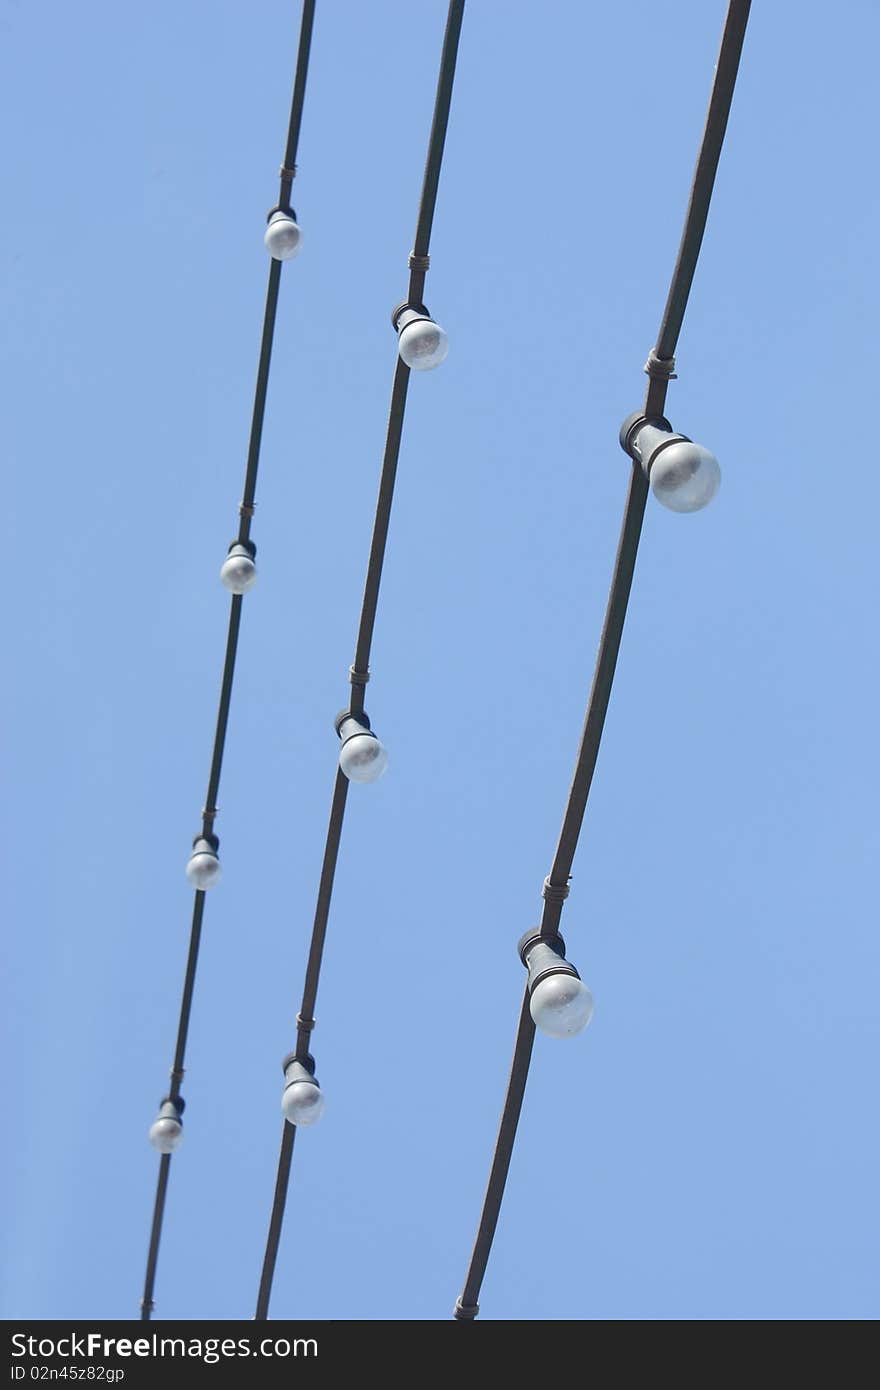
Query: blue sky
pixel 708 1148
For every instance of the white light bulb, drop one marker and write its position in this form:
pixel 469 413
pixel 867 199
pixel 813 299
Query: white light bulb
pixel 165 1135
pixel 166 1132
pixel 303 1102
pixel 283 237
pixel 422 344
pixel 685 476
pixel 238 572
pixel 561 1005
pixel 363 758
pixel 203 866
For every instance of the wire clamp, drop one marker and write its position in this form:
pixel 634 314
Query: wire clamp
pixel 305 1025
pixel 358 677
pixel 465 1312
pixel 660 368
pixel 288 174
pixel 555 892
pixel 247 508
pixel 419 262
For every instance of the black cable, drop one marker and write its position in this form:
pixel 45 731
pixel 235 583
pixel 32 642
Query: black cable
pixel 597 704
pixel 704 177
pixel 155 1233
pixel 659 368
pixel 360 671
pixel 466 1307
pixel 370 601
pixel 246 511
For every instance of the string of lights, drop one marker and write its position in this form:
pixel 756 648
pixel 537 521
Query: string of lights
pixel 238 574
pixel 422 345
pixel 684 477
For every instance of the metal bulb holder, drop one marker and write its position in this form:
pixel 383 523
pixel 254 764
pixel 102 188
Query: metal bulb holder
pixel 683 475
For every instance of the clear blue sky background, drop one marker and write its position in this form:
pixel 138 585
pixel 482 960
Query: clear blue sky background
pixel 708 1148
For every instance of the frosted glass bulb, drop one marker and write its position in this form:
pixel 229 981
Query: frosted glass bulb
pixel 283 237
pixel 303 1102
pixel 685 476
pixel 238 572
pixel 203 866
pixel 167 1132
pixel 561 1005
pixel 423 344
pixel 363 758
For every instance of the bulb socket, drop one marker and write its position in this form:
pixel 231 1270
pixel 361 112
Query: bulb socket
pixel 543 957
pixel 305 1060
pixel 348 725
pixel 171 1109
pixel 644 437
pixel 404 314
pixel 206 842
pixel 284 208
pixel 238 547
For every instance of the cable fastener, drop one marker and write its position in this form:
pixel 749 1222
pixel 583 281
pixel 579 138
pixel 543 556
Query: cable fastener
pixel 555 892
pixel 419 262
pixel 465 1312
pixel 358 677
pixel 660 368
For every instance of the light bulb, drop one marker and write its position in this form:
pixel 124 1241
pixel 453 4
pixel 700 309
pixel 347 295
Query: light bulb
pixel 283 237
pixel 685 476
pixel 362 757
pixel 422 344
pixel 203 866
pixel 561 1005
pixel 559 1002
pixel 302 1100
pixel 238 571
pixel 166 1131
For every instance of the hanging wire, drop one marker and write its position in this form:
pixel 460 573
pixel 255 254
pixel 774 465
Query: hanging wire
pixel 360 670
pixel 246 512
pixel 660 369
